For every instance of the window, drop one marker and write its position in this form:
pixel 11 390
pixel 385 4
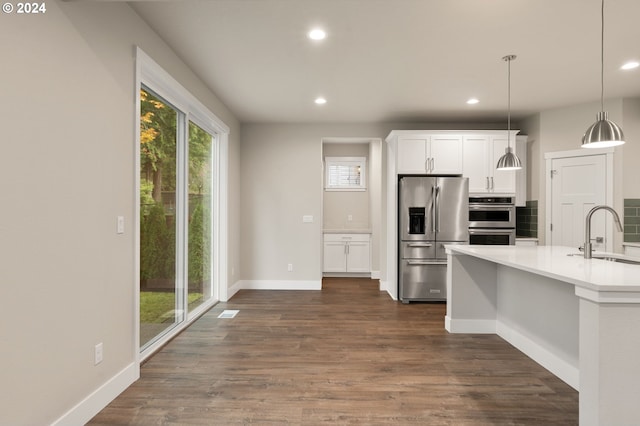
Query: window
pixel 345 173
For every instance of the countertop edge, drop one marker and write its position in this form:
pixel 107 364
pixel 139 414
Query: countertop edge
pixel 528 256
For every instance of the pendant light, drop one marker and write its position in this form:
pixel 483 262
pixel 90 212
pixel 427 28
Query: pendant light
pixel 604 132
pixel 509 161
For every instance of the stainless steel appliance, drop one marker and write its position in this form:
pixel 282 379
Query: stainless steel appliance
pixel 492 220
pixel 433 211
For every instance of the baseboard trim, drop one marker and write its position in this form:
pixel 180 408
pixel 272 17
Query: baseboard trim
pixel 280 285
pixel 91 405
pixel 231 291
pixel 470 326
pixel 375 275
pixel 559 367
pixel 384 286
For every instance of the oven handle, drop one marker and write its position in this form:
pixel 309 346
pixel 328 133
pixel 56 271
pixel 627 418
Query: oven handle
pixel 485 231
pixel 509 207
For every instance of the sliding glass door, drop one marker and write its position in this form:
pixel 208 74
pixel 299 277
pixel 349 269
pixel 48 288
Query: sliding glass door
pixel 176 216
pixel 200 232
pixel 159 293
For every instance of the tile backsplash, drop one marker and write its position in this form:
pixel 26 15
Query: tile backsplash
pixel 527 219
pixel 631 220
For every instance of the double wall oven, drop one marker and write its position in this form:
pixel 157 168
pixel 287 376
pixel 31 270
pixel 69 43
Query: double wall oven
pixel 492 220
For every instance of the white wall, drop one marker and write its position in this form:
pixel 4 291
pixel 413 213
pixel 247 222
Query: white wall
pixel 339 205
pixel 562 129
pixel 273 200
pixel 631 149
pixel 67 165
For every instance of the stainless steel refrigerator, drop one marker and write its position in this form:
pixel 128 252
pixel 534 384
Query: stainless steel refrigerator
pixel 433 211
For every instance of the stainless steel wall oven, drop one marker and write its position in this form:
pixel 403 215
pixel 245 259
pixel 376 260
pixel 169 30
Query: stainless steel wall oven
pixel 492 220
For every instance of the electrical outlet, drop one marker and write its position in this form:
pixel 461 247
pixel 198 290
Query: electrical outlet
pixel 98 354
pixel 350 217
pixel 290 267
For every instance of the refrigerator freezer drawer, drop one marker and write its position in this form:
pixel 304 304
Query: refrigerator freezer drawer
pixel 422 280
pixel 418 250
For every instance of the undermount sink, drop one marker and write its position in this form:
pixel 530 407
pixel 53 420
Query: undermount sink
pixel 609 258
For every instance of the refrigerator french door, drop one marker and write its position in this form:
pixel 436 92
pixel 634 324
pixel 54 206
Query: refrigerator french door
pixel 433 211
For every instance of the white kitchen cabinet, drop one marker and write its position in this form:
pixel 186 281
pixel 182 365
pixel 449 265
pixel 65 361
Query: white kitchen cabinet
pixel 480 156
pixel 423 153
pixel 347 253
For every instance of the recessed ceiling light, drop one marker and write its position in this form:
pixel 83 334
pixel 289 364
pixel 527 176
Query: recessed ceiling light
pixel 320 101
pixel 630 65
pixel 317 34
pixel 473 101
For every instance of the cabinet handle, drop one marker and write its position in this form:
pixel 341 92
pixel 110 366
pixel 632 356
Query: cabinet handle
pixel 433 163
pixel 487 185
pixel 426 165
pixel 492 183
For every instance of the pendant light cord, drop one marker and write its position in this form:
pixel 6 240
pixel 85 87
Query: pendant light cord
pixel 509 102
pixel 602 57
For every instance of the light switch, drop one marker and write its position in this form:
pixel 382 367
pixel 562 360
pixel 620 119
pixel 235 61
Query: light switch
pixel 120 225
pixel 307 219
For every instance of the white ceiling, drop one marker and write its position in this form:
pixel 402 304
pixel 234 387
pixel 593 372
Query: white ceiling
pixel 401 60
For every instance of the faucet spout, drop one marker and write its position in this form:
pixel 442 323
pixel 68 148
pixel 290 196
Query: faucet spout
pixel 587 229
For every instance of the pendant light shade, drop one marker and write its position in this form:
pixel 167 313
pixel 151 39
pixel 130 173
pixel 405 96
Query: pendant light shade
pixel 509 161
pixel 604 132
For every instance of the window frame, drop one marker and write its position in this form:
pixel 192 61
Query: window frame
pixel 345 161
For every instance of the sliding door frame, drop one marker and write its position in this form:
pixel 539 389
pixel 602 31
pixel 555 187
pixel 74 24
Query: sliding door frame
pixel 153 76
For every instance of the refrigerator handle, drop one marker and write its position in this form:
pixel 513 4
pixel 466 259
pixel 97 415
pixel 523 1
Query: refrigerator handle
pixel 433 209
pixel 437 210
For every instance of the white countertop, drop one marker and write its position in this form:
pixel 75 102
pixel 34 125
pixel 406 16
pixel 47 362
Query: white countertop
pixel 554 262
pixel 346 231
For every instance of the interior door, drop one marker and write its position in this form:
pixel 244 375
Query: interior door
pixel 577 185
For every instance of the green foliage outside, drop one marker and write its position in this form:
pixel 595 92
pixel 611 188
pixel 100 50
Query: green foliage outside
pixel 158 124
pixel 156 307
pixel 157 245
pixel 199 246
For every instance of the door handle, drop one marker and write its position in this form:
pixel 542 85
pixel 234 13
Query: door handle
pixel 598 240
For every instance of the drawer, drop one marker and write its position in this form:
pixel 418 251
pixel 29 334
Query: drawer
pixel 418 250
pixel 346 237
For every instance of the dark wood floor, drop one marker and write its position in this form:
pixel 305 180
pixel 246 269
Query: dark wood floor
pixel 344 355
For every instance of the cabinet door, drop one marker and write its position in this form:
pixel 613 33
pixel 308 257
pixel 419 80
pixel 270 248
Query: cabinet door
pixel 335 256
pixel 446 154
pixel 358 257
pixel 504 181
pixel 474 163
pixel 412 155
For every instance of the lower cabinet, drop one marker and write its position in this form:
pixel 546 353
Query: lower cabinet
pixel 347 253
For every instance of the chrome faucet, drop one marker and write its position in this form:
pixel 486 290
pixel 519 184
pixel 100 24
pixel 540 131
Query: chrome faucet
pixel 587 229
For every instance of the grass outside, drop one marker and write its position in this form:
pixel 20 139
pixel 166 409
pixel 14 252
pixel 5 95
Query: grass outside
pixel 157 307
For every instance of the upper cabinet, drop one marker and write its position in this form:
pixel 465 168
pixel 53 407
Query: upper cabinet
pixel 480 156
pixel 423 153
pixel 470 153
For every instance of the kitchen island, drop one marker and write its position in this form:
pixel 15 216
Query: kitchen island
pixel 579 318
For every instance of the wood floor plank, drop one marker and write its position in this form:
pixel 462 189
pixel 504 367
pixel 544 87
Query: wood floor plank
pixel 344 355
